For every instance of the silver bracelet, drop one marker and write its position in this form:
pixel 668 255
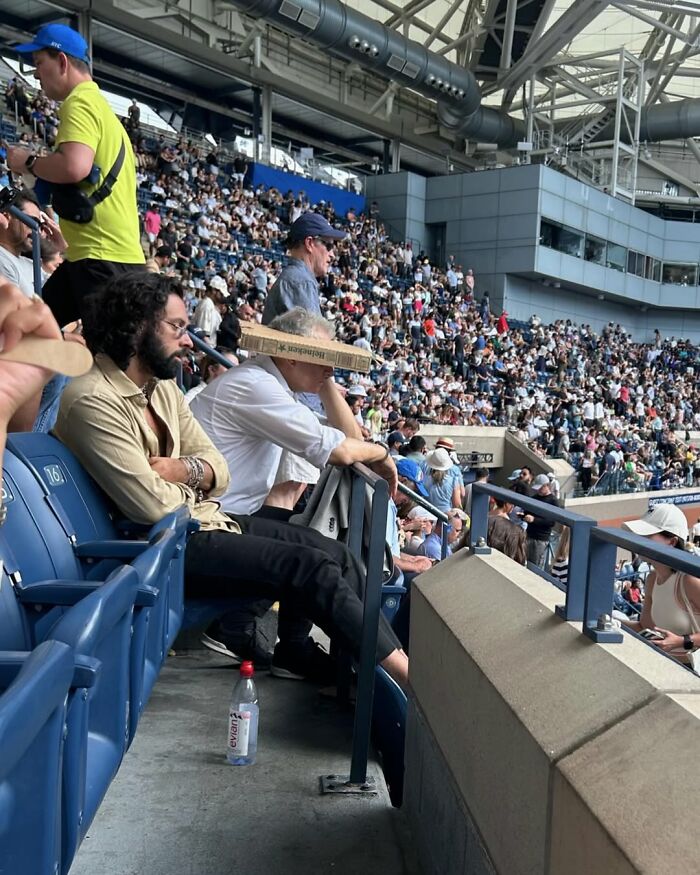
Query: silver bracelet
pixel 195 471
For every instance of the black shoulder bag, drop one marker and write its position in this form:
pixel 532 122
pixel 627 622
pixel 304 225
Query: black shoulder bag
pixel 71 202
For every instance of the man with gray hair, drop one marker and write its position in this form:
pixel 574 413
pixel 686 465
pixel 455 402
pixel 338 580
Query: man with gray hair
pixel 251 416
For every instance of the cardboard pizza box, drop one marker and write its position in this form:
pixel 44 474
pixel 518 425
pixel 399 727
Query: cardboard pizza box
pixel 260 338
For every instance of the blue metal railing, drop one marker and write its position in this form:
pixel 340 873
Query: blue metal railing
pixel 590 588
pixel 581 526
pixel 363 478
pixel 440 515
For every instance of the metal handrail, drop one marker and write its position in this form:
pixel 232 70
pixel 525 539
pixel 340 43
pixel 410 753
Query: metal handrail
pixel 363 477
pixel 600 585
pixel 581 527
pixel 439 514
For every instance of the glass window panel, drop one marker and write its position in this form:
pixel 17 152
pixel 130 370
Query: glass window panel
pixel 679 274
pixel 570 242
pixel 656 276
pixel 594 249
pixel 617 257
pixel 548 234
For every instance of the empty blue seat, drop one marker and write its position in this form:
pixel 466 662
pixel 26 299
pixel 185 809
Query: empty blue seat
pixel 96 623
pixel 33 695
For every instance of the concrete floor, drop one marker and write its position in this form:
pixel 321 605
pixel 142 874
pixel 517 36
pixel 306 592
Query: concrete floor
pixel 177 808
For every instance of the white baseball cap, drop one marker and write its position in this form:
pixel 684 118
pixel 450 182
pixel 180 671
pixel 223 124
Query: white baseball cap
pixel 540 481
pixel 662 518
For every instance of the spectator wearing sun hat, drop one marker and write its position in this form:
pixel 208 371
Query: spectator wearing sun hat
pixel 442 481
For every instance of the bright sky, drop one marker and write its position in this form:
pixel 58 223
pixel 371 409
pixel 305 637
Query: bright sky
pixel 118 103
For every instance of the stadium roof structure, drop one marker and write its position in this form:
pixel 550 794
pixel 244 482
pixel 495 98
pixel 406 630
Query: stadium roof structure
pixel 547 72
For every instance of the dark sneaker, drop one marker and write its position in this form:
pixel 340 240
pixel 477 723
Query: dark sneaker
pixel 248 643
pixel 308 661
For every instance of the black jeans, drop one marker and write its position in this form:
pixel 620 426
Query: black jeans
pixel 274 560
pixel 68 286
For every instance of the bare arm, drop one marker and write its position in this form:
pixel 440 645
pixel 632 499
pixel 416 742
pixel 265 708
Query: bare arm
pixel 70 163
pixel 338 411
pixel 352 450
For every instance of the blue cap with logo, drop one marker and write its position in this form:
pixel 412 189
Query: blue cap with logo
pixel 60 37
pixel 314 225
pixel 412 471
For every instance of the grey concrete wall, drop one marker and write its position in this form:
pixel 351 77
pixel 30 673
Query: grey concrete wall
pixel 401 199
pixel 566 757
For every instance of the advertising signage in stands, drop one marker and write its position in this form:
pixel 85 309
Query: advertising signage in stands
pixel 687 498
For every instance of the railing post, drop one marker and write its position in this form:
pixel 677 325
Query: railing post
pixel 370 628
pixel 577 576
pixel 478 531
pixel 600 588
pixel 357 515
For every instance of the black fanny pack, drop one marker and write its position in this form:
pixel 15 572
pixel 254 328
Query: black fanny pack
pixel 71 202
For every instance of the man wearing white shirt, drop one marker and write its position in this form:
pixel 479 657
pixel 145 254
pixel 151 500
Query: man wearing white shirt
pixel 252 417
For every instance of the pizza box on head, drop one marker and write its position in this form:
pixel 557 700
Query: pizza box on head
pixel 260 338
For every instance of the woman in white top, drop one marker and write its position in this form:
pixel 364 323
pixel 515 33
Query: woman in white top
pixel 672 598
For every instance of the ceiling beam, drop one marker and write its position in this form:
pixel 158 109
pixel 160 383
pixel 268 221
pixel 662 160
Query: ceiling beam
pixel 538 52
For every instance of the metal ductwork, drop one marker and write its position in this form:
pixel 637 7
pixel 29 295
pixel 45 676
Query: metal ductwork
pixel 670 121
pixel 663 121
pixel 352 36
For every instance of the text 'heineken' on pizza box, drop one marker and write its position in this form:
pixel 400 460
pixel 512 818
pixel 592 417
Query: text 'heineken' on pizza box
pixel 260 338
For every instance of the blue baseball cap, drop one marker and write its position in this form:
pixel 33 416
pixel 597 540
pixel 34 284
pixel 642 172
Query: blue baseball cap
pixel 60 37
pixel 313 225
pixel 412 471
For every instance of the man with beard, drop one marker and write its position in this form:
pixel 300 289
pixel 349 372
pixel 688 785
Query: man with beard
pixel 129 425
pixel 15 243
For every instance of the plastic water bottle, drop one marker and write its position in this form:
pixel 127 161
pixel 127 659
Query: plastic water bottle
pixel 242 743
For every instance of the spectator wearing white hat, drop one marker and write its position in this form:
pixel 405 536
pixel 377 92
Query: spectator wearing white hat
pixel 672 598
pixel 211 309
pixel 441 481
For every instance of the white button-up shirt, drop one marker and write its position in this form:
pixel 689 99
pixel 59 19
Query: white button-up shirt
pixel 251 416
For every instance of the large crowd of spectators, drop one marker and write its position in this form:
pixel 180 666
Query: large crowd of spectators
pixel 610 406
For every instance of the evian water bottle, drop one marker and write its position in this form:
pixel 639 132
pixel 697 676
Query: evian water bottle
pixel 242 744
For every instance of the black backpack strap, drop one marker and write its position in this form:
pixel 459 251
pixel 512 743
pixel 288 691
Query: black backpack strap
pixel 105 189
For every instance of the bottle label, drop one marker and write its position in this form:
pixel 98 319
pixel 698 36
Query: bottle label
pixel 238 732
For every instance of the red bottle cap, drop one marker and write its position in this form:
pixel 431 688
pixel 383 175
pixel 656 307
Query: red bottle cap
pixel 247 669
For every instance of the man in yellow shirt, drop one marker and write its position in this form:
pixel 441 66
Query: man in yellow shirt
pixel 89 144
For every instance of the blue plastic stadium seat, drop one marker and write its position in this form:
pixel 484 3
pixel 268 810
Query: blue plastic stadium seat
pixel 96 622
pixel 33 695
pixel 88 517
pixel 389 730
pixel 38 543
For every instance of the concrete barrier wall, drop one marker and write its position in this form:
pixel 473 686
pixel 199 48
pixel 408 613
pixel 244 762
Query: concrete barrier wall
pixel 612 510
pixel 533 750
pixel 469 439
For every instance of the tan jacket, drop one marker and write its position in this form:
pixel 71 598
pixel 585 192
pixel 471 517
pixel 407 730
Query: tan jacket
pixel 102 421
